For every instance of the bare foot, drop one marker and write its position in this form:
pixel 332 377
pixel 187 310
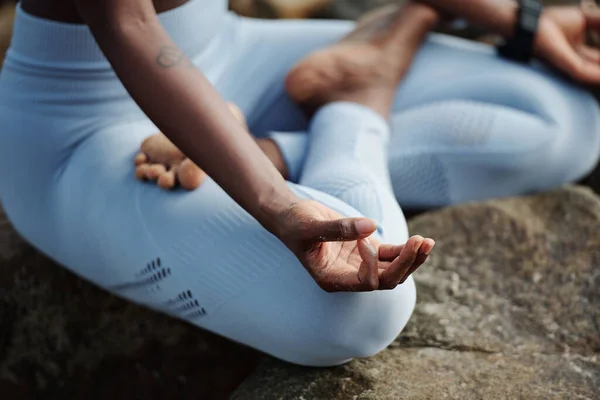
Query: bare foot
pixel 366 66
pixel 160 160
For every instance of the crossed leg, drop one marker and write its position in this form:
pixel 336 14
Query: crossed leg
pixel 198 256
pixel 465 125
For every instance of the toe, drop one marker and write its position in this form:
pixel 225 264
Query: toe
pixel 154 171
pixel 140 159
pixel 141 171
pixel 167 180
pixel 190 176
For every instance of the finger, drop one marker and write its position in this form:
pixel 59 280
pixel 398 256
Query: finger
pixel 346 281
pixel 388 252
pixel 392 275
pixel 567 59
pixel 427 246
pixel 587 73
pixel 140 159
pixel 346 229
pixel 590 54
pixel 422 256
pixel 563 56
pixel 368 273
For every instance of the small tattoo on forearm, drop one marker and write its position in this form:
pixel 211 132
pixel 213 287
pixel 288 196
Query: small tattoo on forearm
pixel 171 56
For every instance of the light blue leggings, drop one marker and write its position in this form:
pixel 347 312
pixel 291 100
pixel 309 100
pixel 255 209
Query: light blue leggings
pixel 466 125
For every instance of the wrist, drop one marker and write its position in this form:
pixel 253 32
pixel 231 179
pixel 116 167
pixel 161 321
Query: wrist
pixel 273 206
pixel 423 14
pixel 539 44
pixel 508 14
pixel 498 16
pixel 520 47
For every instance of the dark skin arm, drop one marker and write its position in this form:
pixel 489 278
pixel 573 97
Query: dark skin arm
pixel 197 120
pixel 560 39
pixel 152 67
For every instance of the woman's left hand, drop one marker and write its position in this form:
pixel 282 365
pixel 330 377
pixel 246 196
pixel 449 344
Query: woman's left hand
pixel 561 42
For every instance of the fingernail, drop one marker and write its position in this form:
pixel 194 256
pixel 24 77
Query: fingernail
pixel 430 248
pixel 365 226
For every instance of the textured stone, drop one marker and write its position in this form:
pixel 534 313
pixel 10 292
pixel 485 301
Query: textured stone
pixel 62 338
pixel 508 307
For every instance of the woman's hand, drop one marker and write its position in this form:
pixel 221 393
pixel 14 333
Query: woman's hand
pixel 561 42
pixel 336 252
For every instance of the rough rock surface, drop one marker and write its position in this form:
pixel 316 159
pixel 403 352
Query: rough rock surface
pixel 509 307
pixel 62 338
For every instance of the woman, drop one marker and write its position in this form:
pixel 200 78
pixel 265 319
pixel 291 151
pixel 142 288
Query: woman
pixel 228 256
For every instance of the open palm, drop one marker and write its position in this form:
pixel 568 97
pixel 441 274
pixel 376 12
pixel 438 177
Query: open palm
pixel 336 252
pixel 561 42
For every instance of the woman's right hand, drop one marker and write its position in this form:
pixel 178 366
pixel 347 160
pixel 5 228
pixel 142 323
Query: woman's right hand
pixel 338 254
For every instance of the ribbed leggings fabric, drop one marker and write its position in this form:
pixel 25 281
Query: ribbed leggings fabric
pixel 466 125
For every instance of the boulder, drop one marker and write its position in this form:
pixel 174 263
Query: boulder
pixel 508 307
pixel 63 338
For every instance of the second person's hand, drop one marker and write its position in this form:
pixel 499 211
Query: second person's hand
pixel 561 42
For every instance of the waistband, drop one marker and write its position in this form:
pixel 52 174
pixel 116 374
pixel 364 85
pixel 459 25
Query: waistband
pixel 192 26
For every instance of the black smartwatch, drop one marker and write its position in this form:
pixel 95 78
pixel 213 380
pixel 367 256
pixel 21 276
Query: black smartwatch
pixel 520 47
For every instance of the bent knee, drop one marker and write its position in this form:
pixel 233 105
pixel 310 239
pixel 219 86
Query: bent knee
pixel 362 328
pixel 571 141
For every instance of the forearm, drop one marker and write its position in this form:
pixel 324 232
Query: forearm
pixel 192 114
pixel 497 16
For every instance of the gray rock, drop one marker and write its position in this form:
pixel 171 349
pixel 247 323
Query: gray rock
pixel 508 307
pixel 62 338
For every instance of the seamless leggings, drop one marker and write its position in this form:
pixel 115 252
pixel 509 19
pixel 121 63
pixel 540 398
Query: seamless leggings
pixel 465 126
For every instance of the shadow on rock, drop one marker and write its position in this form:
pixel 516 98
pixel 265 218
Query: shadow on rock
pixel 62 338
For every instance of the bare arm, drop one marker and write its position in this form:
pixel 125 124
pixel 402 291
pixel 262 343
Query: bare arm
pixel 499 16
pixel 190 111
pixel 560 39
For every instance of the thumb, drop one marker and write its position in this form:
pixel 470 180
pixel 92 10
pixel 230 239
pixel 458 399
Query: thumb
pixel 346 229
